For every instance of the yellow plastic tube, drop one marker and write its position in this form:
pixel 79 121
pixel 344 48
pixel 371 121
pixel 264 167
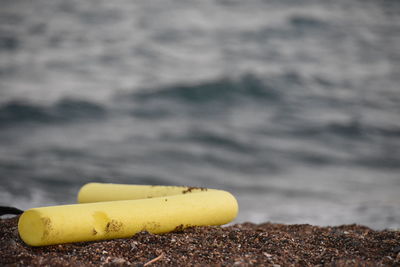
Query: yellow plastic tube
pixel 96 192
pixel 122 219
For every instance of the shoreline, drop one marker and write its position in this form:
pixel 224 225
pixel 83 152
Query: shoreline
pixel 243 244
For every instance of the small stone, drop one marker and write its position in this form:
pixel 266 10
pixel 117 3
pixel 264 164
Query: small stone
pixel 387 260
pixel 10 243
pixel 118 260
pixel 267 255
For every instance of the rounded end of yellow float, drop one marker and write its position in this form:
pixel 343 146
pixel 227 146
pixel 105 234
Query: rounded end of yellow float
pixel 83 191
pixel 235 207
pixel 32 227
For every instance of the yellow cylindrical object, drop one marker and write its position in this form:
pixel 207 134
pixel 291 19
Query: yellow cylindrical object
pixel 122 219
pixel 96 192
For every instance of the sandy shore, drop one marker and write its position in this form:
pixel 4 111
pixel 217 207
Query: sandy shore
pixel 237 245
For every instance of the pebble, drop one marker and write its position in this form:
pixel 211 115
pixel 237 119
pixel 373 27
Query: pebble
pixel 118 260
pixel 267 255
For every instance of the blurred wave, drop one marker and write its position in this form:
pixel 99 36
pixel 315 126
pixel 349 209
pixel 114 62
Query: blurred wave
pixel 220 91
pixel 291 105
pixel 65 110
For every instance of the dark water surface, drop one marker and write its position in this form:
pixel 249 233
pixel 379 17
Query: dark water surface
pixel 294 106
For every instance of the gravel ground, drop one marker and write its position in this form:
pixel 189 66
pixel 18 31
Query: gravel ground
pixel 236 245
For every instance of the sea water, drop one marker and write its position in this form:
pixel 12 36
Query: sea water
pixel 292 105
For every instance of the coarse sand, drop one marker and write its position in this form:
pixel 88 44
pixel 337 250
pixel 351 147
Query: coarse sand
pixel 243 244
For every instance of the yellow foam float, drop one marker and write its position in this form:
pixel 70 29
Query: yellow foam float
pixel 97 192
pixel 124 218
